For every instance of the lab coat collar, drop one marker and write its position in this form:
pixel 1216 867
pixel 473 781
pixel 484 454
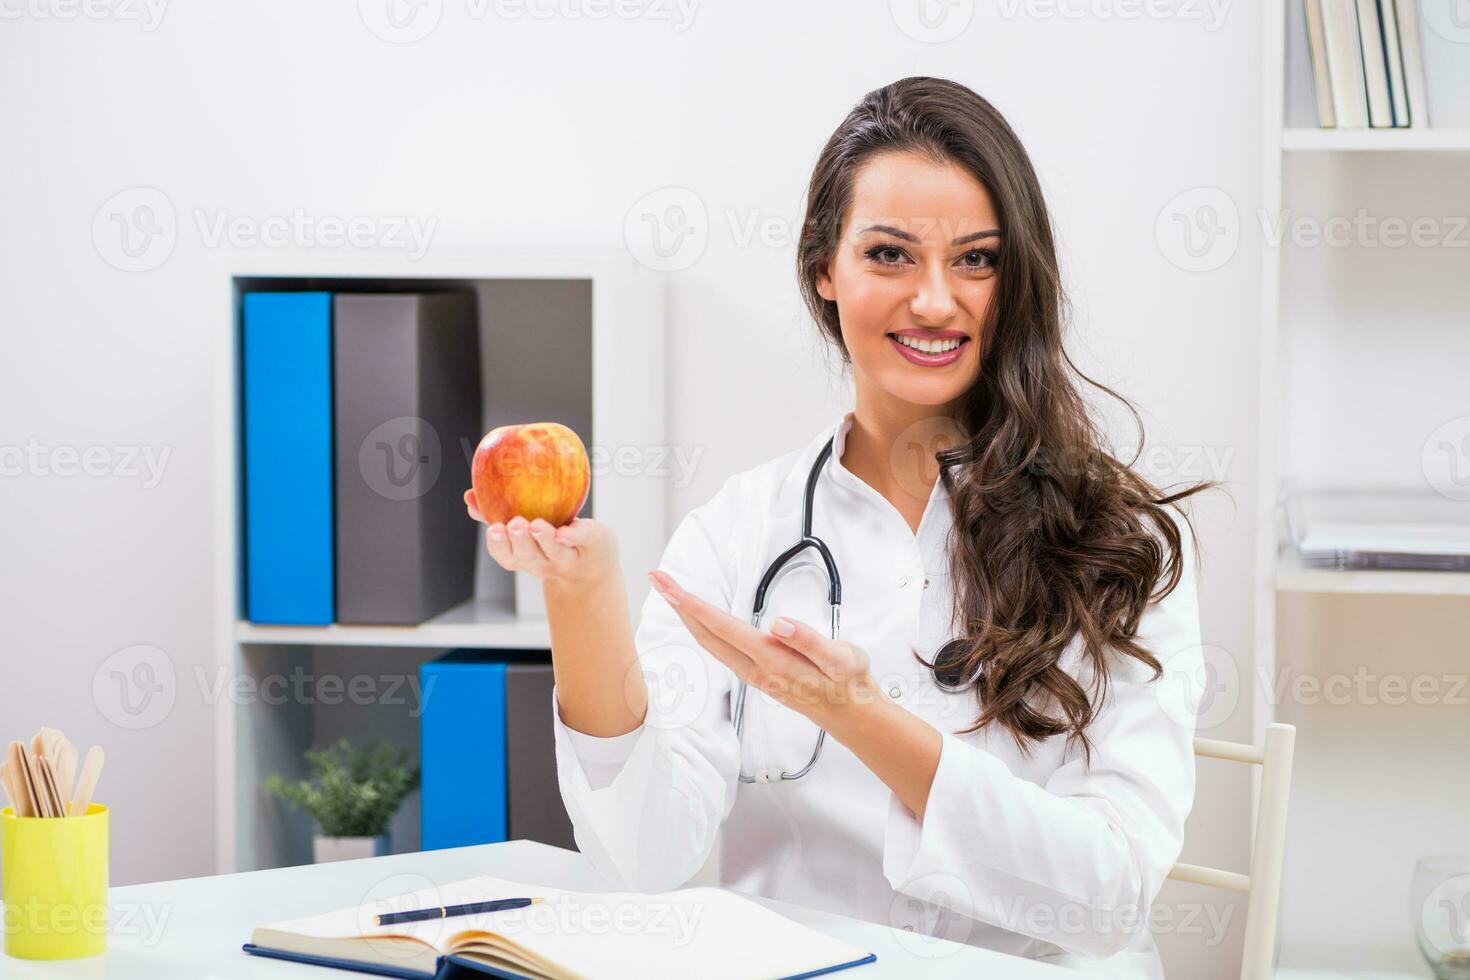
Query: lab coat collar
pixel 838 433
pixel 936 512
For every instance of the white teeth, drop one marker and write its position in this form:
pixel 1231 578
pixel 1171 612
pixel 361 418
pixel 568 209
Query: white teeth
pixel 928 346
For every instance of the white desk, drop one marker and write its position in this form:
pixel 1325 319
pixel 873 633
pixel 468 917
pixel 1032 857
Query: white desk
pixel 192 929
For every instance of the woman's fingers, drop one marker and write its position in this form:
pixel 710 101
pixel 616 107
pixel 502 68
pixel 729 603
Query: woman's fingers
pixel 524 548
pixel 837 659
pixel 473 507
pixel 498 544
pixel 573 535
pixel 557 554
pixel 534 546
pixel 756 659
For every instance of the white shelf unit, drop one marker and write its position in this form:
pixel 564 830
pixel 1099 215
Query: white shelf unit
pixel 1357 361
pixel 624 355
pixel 1410 140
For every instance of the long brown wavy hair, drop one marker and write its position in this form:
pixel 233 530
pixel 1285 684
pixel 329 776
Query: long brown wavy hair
pixel 1051 533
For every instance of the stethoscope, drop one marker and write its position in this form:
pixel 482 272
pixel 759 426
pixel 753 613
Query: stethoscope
pixel 775 774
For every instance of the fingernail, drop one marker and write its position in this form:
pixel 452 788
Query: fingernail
pixel 497 532
pixel 662 591
pixel 782 626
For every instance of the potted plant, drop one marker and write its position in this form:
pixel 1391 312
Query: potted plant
pixel 352 795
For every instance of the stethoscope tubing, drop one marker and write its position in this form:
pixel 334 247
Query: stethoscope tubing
pixel 775 774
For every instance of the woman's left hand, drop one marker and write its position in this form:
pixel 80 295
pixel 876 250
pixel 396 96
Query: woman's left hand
pixel 807 670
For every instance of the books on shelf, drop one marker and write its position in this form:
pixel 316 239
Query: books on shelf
pixel 1389 528
pixel 692 932
pixel 406 370
pixel 360 412
pixel 506 789
pixel 286 348
pixel 1367 63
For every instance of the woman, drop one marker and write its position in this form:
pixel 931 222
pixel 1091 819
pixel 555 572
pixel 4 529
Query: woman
pixel 1008 754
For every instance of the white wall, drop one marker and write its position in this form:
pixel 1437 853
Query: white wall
pixel 519 132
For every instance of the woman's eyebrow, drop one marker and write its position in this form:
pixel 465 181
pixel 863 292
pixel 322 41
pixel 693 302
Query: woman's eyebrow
pixel 889 229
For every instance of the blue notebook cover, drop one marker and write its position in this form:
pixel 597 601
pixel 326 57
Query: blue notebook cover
pixel 456 968
pixel 462 792
pixel 287 377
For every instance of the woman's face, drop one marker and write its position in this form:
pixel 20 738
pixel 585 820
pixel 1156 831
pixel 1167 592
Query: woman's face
pixel 916 260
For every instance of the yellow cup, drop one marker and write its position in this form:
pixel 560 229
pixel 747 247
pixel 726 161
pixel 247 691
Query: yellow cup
pixel 54 872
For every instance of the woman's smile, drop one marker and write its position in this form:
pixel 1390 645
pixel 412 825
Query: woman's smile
pixel 929 348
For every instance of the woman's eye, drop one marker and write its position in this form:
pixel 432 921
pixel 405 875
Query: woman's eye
pixel 983 259
pixel 890 254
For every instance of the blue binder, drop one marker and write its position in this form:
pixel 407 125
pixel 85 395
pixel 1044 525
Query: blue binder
pixel 287 378
pixel 462 750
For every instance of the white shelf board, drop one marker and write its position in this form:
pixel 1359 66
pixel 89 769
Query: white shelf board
pixel 1331 140
pixel 1316 961
pixel 486 624
pixel 1293 576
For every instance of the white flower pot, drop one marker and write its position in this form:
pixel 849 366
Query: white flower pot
pixel 326 849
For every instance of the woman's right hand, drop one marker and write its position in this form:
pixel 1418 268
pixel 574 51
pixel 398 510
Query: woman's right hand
pixel 576 555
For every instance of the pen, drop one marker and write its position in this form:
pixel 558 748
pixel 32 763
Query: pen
pixel 445 911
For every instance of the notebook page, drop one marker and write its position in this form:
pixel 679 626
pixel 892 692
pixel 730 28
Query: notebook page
pixel 706 932
pixel 361 920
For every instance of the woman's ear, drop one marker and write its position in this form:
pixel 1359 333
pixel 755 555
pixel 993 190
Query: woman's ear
pixel 824 281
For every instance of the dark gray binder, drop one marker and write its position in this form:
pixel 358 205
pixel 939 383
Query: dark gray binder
pixel 533 796
pixel 407 400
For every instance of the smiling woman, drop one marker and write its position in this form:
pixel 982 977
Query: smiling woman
pixel 1010 760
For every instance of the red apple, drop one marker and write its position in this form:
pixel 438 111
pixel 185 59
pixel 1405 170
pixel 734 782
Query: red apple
pixel 537 469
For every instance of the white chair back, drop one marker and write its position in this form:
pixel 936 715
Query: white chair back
pixel 1268 843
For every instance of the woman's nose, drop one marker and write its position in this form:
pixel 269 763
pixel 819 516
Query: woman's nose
pixel 933 302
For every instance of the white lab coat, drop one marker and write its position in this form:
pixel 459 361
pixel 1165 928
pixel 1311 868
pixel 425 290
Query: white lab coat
pixel 1033 856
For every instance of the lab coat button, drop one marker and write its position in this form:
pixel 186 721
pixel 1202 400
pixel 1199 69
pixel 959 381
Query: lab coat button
pixel 894 692
pixel 903 580
pixel 926 583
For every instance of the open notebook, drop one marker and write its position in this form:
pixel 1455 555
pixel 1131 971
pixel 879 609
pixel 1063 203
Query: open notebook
pixel 704 932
